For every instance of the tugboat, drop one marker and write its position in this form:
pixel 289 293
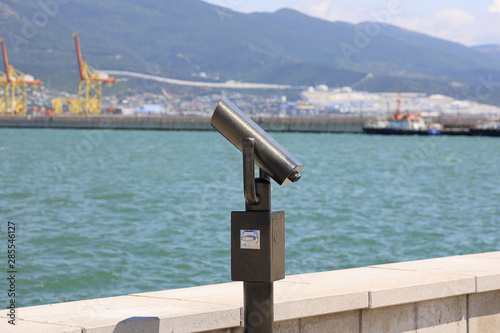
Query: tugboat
pixel 488 128
pixel 401 124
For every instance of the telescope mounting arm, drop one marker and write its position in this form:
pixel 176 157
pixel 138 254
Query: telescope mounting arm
pixel 251 196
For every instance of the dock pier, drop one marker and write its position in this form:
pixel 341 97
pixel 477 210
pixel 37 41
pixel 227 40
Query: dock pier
pixel 335 123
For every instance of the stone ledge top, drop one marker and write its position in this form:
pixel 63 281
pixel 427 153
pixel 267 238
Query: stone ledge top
pixel 220 306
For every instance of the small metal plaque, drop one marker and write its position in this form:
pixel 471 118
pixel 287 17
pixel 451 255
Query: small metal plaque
pixel 250 239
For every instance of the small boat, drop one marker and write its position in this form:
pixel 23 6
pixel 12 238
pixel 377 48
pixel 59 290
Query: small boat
pixel 487 128
pixel 401 124
pixel 406 125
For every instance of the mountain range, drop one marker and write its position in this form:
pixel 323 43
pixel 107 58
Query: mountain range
pixel 181 39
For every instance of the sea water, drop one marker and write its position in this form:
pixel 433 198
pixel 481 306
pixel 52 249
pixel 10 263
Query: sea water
pixel 105 213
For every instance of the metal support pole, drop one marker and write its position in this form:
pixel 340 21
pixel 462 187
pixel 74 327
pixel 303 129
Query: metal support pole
pixel 258 307
pixel 258 297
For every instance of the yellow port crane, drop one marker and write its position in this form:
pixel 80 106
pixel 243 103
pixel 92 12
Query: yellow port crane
pixel 90 86
pixel 60 105
pixel 3 92
pixel 15 100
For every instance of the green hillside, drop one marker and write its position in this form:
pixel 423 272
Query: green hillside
pixel 178 38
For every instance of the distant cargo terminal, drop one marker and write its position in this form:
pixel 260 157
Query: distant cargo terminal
pixel 335 123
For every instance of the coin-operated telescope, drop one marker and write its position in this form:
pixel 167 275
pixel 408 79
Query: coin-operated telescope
pixel 258 233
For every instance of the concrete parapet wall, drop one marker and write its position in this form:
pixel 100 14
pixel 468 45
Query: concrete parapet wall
pixel 453 294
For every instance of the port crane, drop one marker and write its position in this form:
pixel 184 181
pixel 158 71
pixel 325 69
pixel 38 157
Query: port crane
pixel 90 86
pixel 15 100
pixel 63 105
pixel 3 92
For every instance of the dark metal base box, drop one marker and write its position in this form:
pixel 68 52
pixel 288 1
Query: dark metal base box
pixel 257 246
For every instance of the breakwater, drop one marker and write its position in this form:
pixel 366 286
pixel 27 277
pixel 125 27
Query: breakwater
pixel 316 124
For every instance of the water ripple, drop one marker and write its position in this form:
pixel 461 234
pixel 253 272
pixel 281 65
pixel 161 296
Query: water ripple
pixel 144 211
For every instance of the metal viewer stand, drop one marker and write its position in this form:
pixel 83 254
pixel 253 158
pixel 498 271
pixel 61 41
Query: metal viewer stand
pixel 257 234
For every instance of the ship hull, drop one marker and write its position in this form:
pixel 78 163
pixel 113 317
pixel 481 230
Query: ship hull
pixel 391 131
pixel 485 132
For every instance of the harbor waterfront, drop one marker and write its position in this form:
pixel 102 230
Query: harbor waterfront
pixel 104 213
pixel 333 123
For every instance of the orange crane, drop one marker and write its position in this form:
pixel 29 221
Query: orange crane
pixel 15 101
pixel 90 86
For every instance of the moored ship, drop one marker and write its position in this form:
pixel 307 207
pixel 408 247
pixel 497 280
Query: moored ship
pixel 488 128
pixel 401 124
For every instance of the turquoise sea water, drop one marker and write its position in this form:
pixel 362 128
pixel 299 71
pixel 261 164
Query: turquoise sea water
pixel 116 212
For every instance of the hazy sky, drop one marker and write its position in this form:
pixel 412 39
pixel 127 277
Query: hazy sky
pixel 464 21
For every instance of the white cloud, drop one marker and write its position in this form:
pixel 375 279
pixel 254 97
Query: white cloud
pixel 335 10
pixel 455 25
pixel 455 17
pixel 326 10
pixel 495 6
pixel 319 8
